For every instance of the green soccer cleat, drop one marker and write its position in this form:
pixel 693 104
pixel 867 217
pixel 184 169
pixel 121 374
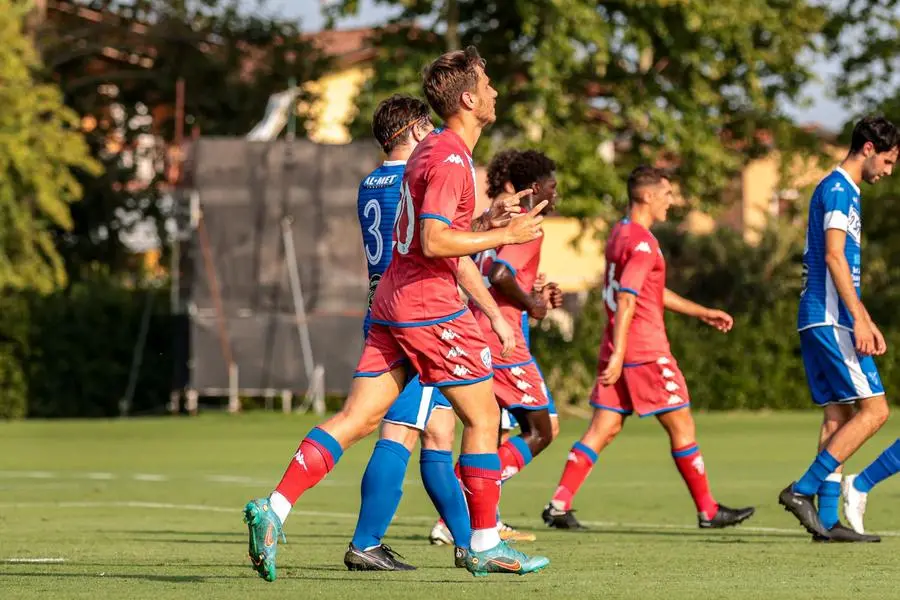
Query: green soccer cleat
pixel 503 559
pixel 264 527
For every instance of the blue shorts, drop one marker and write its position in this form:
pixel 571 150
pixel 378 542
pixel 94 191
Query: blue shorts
pixel 414 404
pixel 836 374
pixel 507 421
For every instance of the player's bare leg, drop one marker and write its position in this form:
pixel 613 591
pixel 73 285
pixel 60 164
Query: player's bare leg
pixel 480 472
pixel 679 424
pixel 604 427
pixel 797 498
pixel 320 450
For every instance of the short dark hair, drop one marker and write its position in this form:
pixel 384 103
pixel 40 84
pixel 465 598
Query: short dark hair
pixel 876 129
pixel 498 172
pixel 394 116
pixel 644 176
pixel 448 77
pixel 529 167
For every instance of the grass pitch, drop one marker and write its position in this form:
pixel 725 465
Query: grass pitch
pixel 151 508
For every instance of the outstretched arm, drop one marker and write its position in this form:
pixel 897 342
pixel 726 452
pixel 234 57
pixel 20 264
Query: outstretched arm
pixel 715 318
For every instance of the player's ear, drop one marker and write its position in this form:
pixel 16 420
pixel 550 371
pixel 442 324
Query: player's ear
pixel 468 101
pixel 508 188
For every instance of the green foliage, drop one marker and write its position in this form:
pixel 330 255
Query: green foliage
pixel 68 354
pixel 689 82
pixel 41 152
pixel 231 60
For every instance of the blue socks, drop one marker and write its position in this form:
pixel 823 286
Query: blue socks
pixel 830 500
pixel 884 466
pixel 381 490
pixel 443 488
pixel 824 465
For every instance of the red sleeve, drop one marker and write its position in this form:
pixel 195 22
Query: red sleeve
pixel 639 261
pixel 445 184
pixel 516 256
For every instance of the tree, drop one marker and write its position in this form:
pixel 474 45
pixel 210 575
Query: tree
pixel 42 154
pixel 123 69
pixel 697 85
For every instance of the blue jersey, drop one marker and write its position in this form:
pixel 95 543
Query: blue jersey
pixel 834 205
pixel 376 204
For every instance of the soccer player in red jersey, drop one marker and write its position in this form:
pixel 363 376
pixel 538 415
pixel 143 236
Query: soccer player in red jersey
pixel 420 322
pixel 637 372
pixel 511 272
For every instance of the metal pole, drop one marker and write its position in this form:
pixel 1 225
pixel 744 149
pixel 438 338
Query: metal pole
pixel 297 295
pixel 137 358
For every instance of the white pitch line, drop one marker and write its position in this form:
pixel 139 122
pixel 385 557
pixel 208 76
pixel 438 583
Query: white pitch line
pixel 400 520
pixel 149 477
pixel 38 560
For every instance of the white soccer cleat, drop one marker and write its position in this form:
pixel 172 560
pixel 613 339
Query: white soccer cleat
pixel 854 504
pixel 440 535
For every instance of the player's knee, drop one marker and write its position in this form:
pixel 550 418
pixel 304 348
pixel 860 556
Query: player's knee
pixel 877 411
pixel 439 437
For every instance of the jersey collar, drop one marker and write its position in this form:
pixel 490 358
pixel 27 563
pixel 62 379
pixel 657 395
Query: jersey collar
pixel 849 179
pixel 393 163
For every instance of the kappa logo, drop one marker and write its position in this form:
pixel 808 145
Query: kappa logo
pixel 508 472
pixel 837 187
pixel 671 386
pixel 698 465
pixel 448 334
pixel 456 352
pixel 873 377
pixel 572 458
pixel 461 371
pixel 523 385
pixel 662 361
pixel 455 159
pixel 526 399
pixel 301 460
pixel 673 399
pixel 667 373
pixel 517 371
pixel 486 357
pixel 643 247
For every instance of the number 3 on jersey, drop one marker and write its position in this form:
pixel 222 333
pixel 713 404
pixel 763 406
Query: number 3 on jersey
pixel 611 289
pixel 405 223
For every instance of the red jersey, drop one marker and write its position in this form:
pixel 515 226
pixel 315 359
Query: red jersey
pixel 439 183
pixel 635 264
pixel 522 260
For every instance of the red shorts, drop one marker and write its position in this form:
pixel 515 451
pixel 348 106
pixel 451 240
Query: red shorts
pixel 449 353
pixel 648 388
pixel 520 386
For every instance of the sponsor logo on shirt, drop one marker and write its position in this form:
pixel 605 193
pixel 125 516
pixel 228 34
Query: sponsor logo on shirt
pixel 448 334
pixel 455 159
pixel 643 247
pixel 837 187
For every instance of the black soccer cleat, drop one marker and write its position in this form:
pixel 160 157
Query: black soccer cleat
pixel 803 507
pixel 726 517
pixel 560 519
pixel 459 557
pixel 842 533
pixel 379 558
